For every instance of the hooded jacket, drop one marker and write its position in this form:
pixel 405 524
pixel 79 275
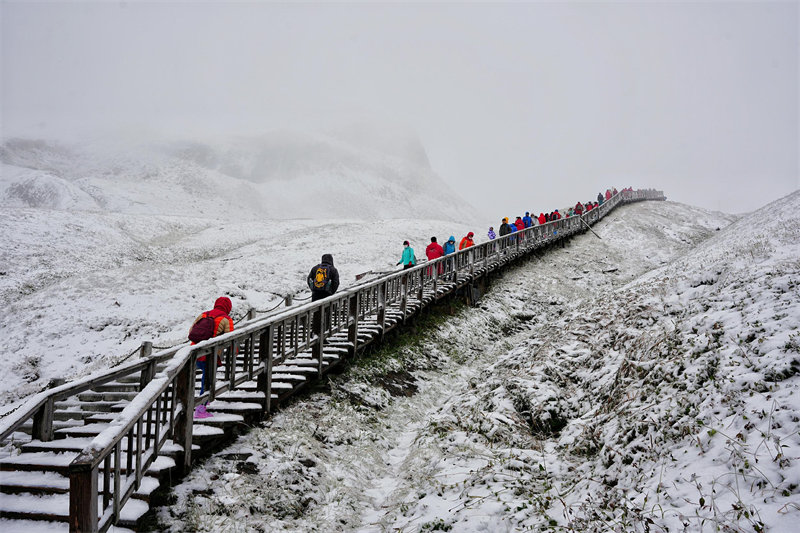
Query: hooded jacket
pixel 519 224
pixel 466 242
pixel 333 278
pixel 542 219
pixel 450 245
pixel 408 257
pixel 492 235
pixel 434 251
pixel 223 323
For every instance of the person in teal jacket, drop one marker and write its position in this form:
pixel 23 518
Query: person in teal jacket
pixel 408 259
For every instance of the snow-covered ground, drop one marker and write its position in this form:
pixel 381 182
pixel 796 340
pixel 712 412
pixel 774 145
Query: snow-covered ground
pixel 105 248
pixel 648 381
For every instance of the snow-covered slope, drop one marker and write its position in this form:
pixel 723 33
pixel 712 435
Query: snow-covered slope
pixel 648 381
pixel 104 247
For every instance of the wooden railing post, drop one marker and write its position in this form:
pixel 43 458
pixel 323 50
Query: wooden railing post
pixel 471 258
pixel 404 296
pixel 148 372
pixel 184 393
pixel 265 352
pixel 319 326
pixel 83 499
pixel 211 373
pixel 435 281
pixel 382 308
pixel 43 421
pixel 230 363
pixel 352 324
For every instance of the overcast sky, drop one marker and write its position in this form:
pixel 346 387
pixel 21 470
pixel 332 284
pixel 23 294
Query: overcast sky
pixel 520 106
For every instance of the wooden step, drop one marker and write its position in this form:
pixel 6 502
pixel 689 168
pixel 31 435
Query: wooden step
pixel 55 507
pixel 106 396
pixel 117 387
pixel 38 462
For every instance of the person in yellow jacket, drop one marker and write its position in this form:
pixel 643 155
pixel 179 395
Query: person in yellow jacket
pixel 467 241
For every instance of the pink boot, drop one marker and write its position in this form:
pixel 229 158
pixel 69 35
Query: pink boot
pixel 200 412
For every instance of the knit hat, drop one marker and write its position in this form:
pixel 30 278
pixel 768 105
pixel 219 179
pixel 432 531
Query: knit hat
pixel 470 234
pixel 406 243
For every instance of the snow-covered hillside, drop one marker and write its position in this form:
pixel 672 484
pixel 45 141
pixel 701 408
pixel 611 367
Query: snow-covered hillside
pixel 105 248
pixel 648 381
pixel 364 173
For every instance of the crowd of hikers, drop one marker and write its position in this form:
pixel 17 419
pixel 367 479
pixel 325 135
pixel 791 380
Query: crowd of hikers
pixel 323 280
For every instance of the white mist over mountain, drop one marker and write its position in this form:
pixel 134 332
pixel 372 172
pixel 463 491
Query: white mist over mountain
pixel 360 171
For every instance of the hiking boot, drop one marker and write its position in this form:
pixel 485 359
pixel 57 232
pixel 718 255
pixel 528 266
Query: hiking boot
pixel 200 412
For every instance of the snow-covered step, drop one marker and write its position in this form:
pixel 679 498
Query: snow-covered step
pixel 55 507
pixel 79 431
pixel 219 418
pixel 118 386
pixel 288 377
pixel 292 369
pixel 106 396
pixel 235 407
pixel 55 483
pixel 38 462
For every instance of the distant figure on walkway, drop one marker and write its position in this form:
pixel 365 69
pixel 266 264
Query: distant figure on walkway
pixel 467 241
pixel 579 209
pixel 519 224
pixel 408 259
pixel 450 246
pixel 323 280
pixel 527 220
pixel 210 324
pixel 432 252
pixel 492 235
pixel 504 228
pixel 600 198
pixel 542 219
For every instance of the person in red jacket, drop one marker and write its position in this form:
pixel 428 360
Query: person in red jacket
pixel 467 241
pixel 520 224
pixel 434 251
pixel 579 209
pixel 542 219
pixel 223 324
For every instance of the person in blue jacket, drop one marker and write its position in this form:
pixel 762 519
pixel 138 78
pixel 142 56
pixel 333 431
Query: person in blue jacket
pixel 450 245
pixel 527 220
pixel 513 229
pixel 408 259
pixel 449 248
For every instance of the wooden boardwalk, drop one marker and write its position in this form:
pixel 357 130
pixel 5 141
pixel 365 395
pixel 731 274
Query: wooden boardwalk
pixel 89 454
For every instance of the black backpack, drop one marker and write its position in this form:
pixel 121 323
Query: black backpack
pixel 322 279
pixel 203 329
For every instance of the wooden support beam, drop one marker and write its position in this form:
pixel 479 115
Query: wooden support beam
pixel 83 500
